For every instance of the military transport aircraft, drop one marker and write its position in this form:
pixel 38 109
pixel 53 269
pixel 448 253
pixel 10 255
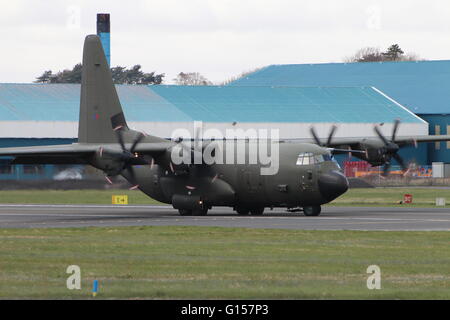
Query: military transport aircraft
pixel 307 176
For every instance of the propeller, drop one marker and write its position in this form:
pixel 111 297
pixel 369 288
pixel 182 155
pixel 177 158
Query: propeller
pixel 390 148
pixel 329 139
pixel 125 158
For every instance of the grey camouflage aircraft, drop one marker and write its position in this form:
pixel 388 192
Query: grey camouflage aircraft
pixel 307 175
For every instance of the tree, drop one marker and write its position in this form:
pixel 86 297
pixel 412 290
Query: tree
pixel 368 54
pixel 191 79
pixel 120 75
pixel 135 75
pixel 393 53
pixel 372 54
pixel 45 77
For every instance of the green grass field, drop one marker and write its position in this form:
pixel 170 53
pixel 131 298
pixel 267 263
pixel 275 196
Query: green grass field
pixel 234 263
pixel 207 263
pixel 422 197
pixel 72 196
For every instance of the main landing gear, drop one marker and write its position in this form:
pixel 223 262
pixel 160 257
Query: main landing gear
pixel 193 212
pixel 245 211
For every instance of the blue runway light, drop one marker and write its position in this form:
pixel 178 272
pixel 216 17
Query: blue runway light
pixel 95 288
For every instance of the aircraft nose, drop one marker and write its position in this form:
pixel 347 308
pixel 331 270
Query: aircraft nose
pixel 332 184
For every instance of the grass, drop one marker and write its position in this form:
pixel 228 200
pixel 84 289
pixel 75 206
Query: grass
pixel 231 263
pixel 72 196
pixel 422 197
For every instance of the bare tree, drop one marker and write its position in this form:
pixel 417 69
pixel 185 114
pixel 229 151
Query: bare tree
pixel 368 54
pixel 240 76
pixel 191 79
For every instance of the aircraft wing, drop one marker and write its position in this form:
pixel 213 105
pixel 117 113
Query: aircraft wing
pixel 355 142
pixel 57 154
pixel 416 139
pixel 70 153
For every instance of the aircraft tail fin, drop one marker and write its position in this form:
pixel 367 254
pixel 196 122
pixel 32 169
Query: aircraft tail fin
pixel 100 109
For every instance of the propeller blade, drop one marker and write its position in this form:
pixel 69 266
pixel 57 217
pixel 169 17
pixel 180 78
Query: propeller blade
pixel 315 136
pixel 119 134
pixel 152 163
pixel 331 134
pixel 400 161
pixel 386 168
pixel 131 174
pixel 108 179
pixel 138 139
pixel 394 130
pixel 380 135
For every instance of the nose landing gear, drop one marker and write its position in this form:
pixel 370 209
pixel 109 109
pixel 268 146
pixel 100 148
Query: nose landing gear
pixel 310 211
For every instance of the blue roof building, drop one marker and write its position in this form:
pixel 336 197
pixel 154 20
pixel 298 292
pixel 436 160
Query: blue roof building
pixel 421 86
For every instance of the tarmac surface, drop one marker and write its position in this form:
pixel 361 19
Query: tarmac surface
pixel 331 218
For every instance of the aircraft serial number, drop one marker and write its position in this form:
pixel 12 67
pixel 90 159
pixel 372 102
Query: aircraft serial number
pixel 247 309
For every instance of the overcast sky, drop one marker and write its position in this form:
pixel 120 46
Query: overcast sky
pixel 218 38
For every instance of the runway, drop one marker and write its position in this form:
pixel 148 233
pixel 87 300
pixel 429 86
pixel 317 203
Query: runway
pixel 331 218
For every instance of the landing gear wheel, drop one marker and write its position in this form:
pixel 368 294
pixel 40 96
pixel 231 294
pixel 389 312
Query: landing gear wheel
pixel 312 211
pixel 200 212
pixel 242 211
pixel 257 211
pixel 185 212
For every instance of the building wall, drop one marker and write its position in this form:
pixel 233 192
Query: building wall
pixel 68 130
pixel 438 124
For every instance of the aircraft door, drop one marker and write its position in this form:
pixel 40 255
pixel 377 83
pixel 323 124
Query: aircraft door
pixel 252 180
pixel 252 183
pixel 306 180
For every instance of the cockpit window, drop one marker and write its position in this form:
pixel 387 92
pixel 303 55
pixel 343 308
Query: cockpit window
pixel 306 158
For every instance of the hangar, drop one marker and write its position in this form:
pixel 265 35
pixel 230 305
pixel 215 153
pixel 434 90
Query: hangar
pixel 38 114
pixel 421 86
